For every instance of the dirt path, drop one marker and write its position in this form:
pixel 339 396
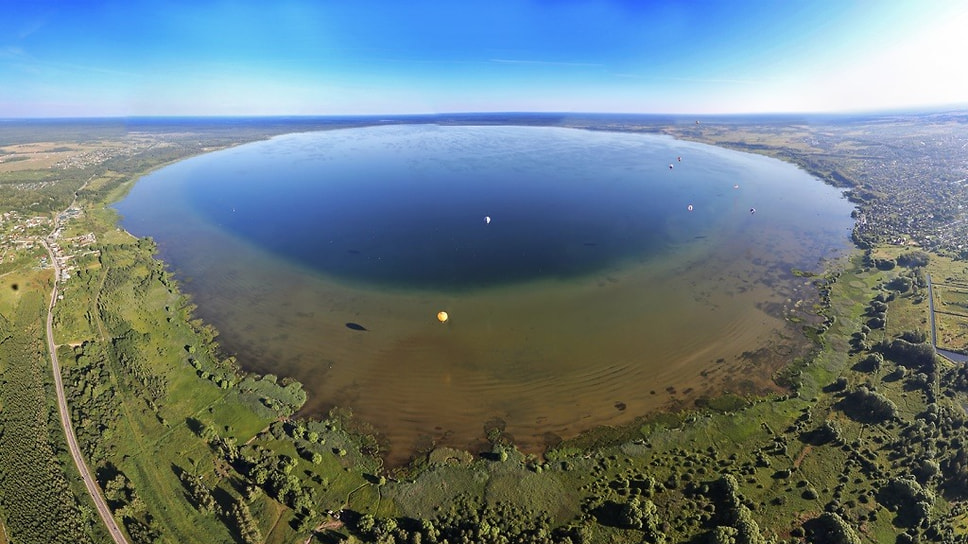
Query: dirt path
pixel 806 449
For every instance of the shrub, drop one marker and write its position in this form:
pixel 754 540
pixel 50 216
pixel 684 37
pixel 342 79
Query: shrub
pixel 830 528
pixel 913 259
pixel 868 406
pixel 871 363
pixel 824 434
pixel 911 355
pixel 885 264
pixel 901 284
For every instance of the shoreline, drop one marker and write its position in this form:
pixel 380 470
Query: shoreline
pixel 788 453
pixel 675 403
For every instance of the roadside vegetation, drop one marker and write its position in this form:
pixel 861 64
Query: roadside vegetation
pixel 869 443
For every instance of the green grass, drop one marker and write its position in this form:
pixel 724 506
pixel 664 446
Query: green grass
pixel 150 441
pixel 13 285
pixel 532 492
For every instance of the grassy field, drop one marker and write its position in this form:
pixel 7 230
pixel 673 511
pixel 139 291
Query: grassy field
pixel 951 315
pixel 47 155
pixel 153 440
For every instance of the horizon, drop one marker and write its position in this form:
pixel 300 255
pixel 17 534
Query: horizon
pixel 374 57
pixel 941 109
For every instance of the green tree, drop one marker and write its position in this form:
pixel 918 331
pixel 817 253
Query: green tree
pixel 245 524
pixel 830 528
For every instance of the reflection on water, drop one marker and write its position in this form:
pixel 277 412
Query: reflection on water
pixel 594 294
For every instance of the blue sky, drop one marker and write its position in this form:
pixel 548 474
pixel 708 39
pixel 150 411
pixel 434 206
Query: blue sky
pixel 300 57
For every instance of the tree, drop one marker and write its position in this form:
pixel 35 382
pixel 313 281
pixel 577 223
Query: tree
pixel 830 528
pixel 722 534
pixel 747 530
pixel 116 489
pixel 911 355
pixel 901 284
pixel 871 363
pixel 365 524
pixel 199 492
pixel 906 496
pixel 913 259
pixel 828 432
pixel 245 524
pixel 868 406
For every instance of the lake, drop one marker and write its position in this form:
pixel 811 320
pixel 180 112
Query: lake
pixel 589 277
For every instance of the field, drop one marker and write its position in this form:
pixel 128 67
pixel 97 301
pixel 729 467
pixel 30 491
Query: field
pixel 951 315
pixel 50 155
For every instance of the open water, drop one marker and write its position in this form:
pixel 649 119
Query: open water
pixel 605 284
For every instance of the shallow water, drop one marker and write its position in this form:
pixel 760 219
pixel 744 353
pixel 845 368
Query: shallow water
pixel 593 295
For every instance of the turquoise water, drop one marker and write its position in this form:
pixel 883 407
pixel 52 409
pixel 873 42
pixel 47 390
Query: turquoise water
pixel 575 265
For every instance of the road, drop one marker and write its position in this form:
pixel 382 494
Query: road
pixel 89 482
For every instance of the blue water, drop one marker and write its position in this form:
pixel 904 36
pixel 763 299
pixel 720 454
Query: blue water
pixel 406 206
pixel 593 286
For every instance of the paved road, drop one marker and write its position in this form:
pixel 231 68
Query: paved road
pixel 89 482
pixel 92 488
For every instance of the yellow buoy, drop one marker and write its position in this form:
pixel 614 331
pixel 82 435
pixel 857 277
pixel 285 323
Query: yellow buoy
pixel 442 316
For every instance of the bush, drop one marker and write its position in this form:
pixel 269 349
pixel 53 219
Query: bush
pixel 830 528
pixel 913 259
pixel 871 363
pixel 920 356
pixel 840 384
pixel 824 434
pixel 884 264
pixel 905 496
pixel 900 284
pixel 868 406
pixel 915 337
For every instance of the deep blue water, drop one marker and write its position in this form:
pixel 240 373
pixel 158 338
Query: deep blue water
pixel 405 206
